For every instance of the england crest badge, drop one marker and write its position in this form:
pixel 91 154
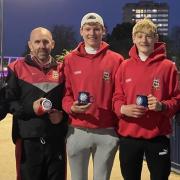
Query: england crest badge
pixel 106 75
pixel 156 84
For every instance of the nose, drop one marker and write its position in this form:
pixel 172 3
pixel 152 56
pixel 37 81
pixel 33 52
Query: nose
pixel 41 44
pixel 91 32
pixel 144 38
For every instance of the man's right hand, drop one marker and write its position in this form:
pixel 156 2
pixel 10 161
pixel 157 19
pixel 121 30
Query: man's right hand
pixel 37 107
pixel 133 110
pixel 76 108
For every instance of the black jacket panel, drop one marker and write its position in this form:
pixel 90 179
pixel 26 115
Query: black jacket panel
pixel 27 83
pixel 3 103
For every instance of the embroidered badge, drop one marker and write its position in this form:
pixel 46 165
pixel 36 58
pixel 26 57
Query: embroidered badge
pixel 55 75
pixel 106 75
pixel 156 84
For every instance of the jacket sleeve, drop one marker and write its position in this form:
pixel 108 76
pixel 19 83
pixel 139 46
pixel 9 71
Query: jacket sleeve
pixel 68 99
pixel 3 111
pixel 118 96
pixel 172 104
pixel 3 102
pixel 13 96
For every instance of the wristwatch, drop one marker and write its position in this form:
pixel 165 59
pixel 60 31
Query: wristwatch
pixel 161 107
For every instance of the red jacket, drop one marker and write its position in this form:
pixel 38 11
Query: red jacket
pixel 158 76
pixel 27 82
pixel 95 74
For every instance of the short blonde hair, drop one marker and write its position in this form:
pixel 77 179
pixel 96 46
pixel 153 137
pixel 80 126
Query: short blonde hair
pixel 145 25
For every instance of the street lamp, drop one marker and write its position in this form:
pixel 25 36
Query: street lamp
pixel 2 79
pixel 1 28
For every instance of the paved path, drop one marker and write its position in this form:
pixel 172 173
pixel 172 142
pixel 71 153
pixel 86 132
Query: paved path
pixel 7 160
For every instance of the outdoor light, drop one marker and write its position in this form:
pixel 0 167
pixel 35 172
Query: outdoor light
pixel 2 78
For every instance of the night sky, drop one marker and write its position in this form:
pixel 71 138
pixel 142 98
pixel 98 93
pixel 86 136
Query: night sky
pixel 21 16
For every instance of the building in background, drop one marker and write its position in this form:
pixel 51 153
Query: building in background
pixel 157 12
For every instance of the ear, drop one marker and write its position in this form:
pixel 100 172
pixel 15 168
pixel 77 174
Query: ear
pixel 133 38
pixel 104 31
pixel 81 30
pixel 30 45
pixel 53 44
pixel 157 38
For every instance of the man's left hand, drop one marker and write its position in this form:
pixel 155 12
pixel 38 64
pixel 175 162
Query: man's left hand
pixel 153 103
pixel 55 116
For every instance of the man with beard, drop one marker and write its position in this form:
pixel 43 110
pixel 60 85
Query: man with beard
pixel 34 84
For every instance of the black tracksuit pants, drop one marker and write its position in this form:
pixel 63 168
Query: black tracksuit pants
pixel 43 159
pixel 156 151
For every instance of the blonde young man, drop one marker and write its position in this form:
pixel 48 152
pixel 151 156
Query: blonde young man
pixel 90 71
pixel 144 127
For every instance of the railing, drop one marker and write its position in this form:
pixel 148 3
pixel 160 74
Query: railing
pixel 6 60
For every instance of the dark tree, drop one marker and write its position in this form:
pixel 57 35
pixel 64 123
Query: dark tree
pixel 120 39
pixel 169 45
pixel 64 37
pixel 27 51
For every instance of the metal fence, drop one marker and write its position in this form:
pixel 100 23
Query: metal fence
pixel 175 144
pixel 5 61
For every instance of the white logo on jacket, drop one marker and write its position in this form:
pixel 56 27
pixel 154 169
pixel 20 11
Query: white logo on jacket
pixel 163 152
pixel 77 72
pixel 128 80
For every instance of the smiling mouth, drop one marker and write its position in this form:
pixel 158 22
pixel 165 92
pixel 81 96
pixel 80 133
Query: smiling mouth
pixel 146 45
pixel 92 38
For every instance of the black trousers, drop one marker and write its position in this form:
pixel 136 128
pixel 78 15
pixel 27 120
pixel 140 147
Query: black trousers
pixel 157 154
pixel 43 159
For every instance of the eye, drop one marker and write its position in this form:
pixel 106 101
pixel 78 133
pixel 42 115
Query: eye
pixel 87 29
pixel 139 36
pixel 37 41
pixel 97 29
pixel 149 36
pixel 46 42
